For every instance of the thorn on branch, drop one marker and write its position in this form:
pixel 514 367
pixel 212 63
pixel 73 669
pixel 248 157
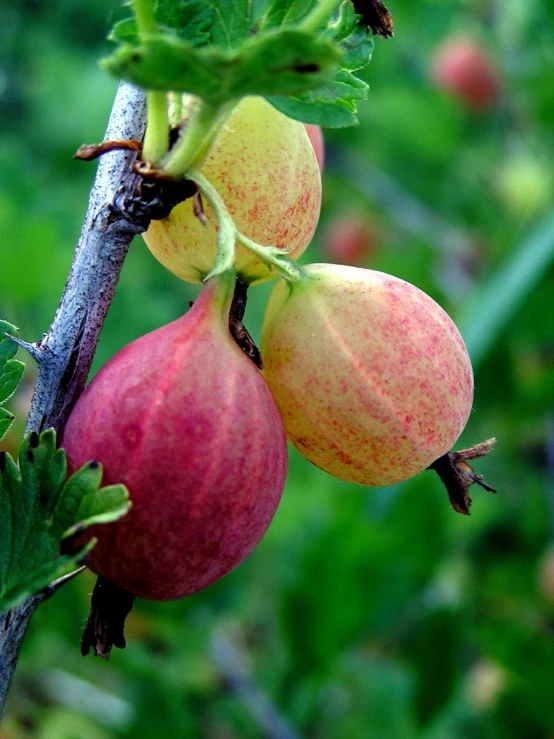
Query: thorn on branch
pixel 33 349
pixel 89 152
pixel 57 584
pixel 457 476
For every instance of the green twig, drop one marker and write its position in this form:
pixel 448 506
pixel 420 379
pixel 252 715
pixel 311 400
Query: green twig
pixel 144 11
pixel 228 235
pixel 197 137
pixel 319 16
pixel 156 138
pixel 274 257
pixel 176 109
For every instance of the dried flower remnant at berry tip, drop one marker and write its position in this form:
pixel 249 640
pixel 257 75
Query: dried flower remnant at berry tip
pixel 457 476
pixel 375 16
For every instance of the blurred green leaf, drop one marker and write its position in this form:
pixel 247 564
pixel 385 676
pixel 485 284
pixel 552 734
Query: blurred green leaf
pixel 497 300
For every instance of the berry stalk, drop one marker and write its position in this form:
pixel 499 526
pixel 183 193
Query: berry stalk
pixel 156 138
pixel 228 235
pixel 197 137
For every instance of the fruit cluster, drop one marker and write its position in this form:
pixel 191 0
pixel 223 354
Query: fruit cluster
pixel 364 373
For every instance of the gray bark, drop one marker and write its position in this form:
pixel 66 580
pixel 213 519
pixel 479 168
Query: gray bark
pixel 13 626
pixel 65 353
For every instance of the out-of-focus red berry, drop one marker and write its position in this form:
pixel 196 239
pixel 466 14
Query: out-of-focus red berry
pixel 350 238
pixel 463 67
pixel 316 137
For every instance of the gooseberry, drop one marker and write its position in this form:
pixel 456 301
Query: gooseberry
pixel 372 377
pixel 349 238
pixel 265 169
pixel 462 67
pixel 185 420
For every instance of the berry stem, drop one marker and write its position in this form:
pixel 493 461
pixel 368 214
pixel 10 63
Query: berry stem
pixel 145 16
pixel 273 256
pixel 228 235
pixel 223 272
pixel 197 137
pixel 226 232
pixel 156 138
pixel 176 109
pixel 319 17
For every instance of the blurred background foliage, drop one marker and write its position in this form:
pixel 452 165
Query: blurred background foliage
pixel 375 613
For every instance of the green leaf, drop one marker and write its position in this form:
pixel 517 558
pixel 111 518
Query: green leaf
pixel 35 580
pixel 40 510
pixel 81 502
pixel 10 509
pixel 201 23
pixel 333 105
pixel 6 420
pixel 330 106
pixel 10 378
pixel 254 48
pixel 11 372
pixel 8 348
pixel 355 42
pixel 286 63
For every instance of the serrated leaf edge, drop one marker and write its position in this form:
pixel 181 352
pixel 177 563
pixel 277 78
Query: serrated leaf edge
pixel 21 584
